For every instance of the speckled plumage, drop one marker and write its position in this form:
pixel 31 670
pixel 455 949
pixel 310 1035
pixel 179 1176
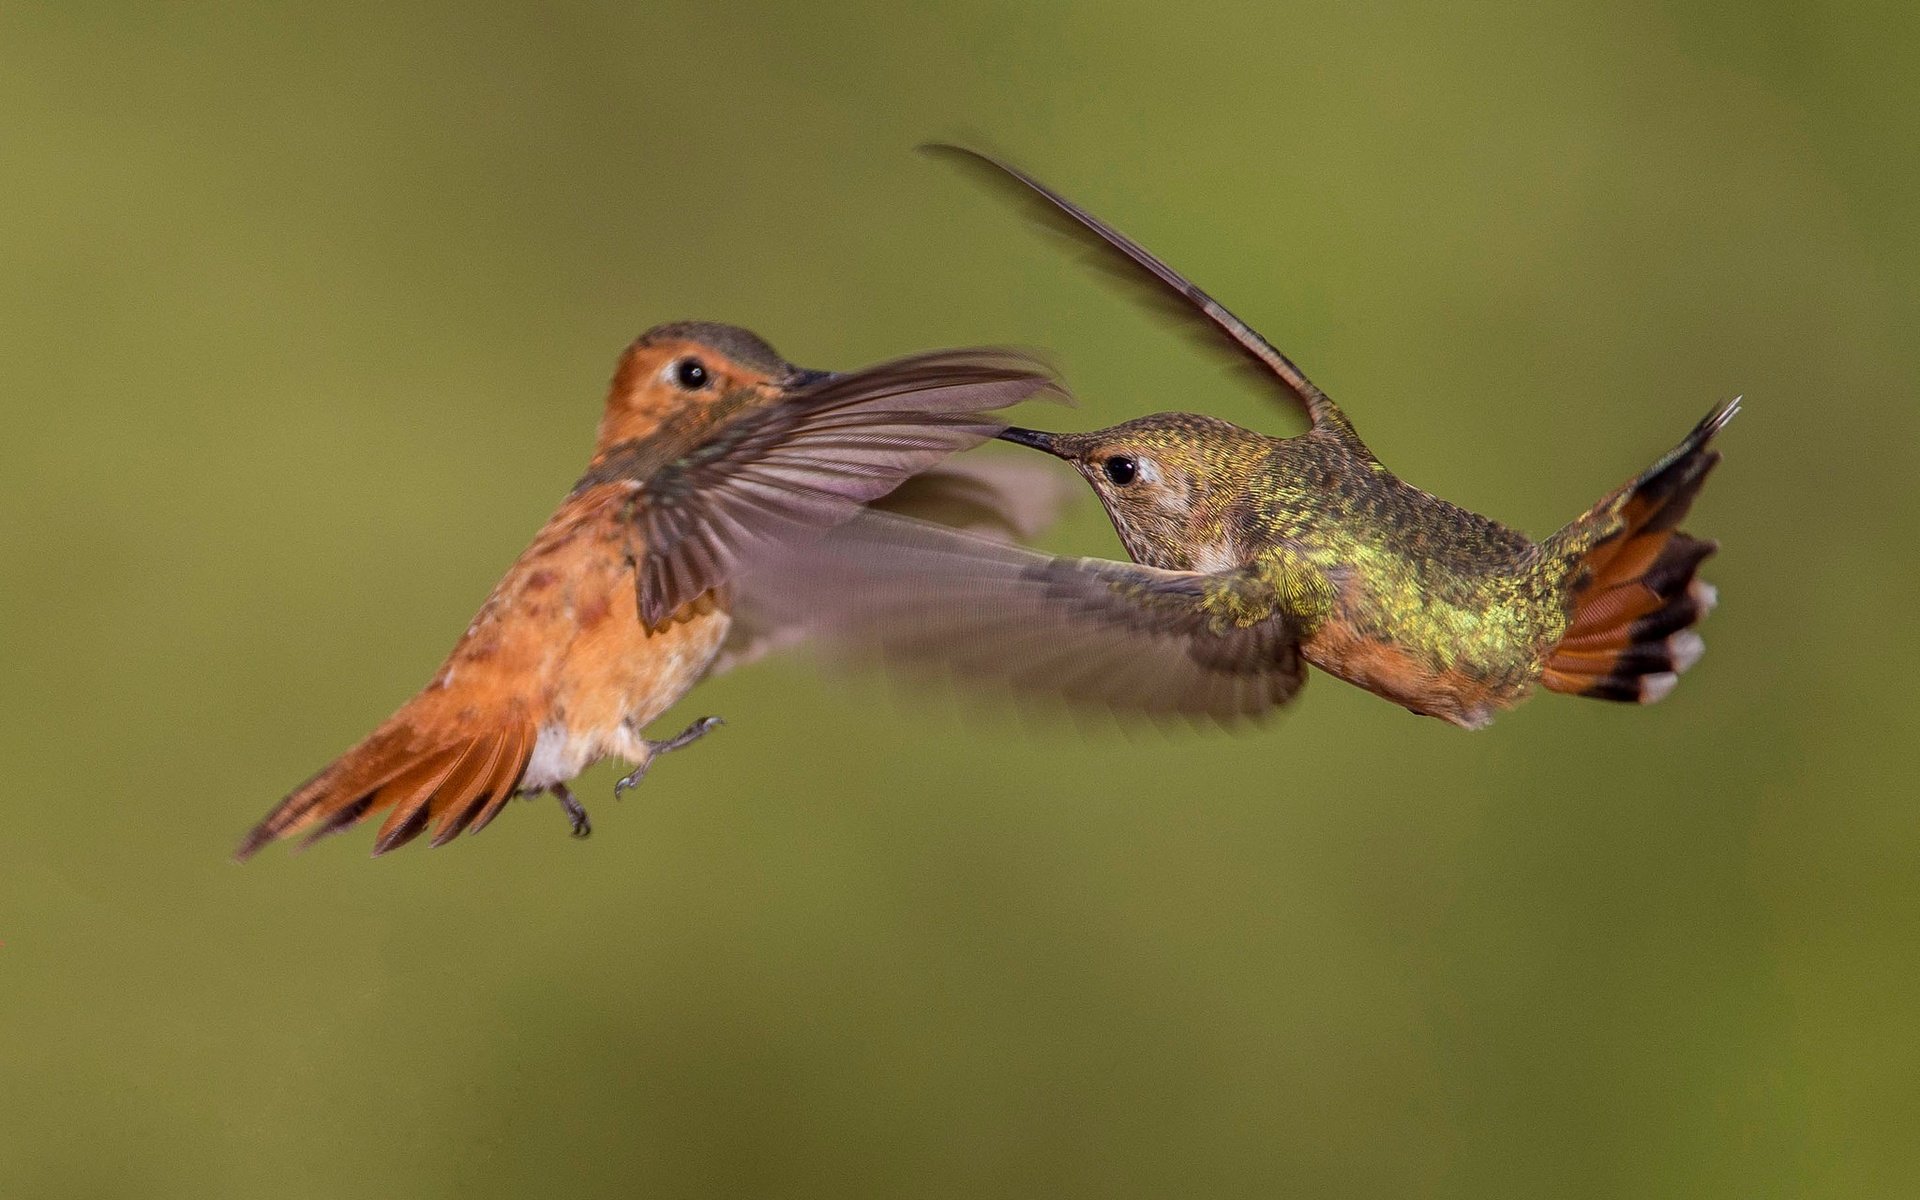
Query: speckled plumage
pixel 1309 538
pixel 1387 586
pixel 1405 567
pixel 1420 600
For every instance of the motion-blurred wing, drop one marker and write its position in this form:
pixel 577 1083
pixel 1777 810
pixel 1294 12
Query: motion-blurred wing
pixel 1004 498
pixel 778 475
pixel 1011 499
pixel 1118 635
pixel 1144 267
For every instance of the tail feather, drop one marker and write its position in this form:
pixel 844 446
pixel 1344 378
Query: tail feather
pixel 413 778
pixel 480 801
pixel 1632 595
pixel 409 798
pixel 339 821
pixel 483 814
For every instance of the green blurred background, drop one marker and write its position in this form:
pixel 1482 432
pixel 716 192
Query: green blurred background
pixel 304 323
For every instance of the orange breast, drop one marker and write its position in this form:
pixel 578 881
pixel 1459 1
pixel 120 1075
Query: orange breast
pixel 615 671
pixel 560 639
pixel 554 673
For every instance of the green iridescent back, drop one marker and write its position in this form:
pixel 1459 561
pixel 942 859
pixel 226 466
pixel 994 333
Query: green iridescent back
pixel 1464 591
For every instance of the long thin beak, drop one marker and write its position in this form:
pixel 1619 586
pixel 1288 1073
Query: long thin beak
pixel 1048 443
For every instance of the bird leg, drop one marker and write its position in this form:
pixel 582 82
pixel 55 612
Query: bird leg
pixel 685 737
pixel 575 812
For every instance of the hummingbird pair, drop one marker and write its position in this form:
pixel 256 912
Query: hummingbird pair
pixel 734 502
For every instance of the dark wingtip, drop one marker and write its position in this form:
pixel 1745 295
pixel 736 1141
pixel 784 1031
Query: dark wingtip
pixel 958 148
pixel 985 165
pixel 965 156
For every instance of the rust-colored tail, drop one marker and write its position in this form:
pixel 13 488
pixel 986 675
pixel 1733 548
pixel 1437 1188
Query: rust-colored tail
pixel 1631 593
pixel 462 781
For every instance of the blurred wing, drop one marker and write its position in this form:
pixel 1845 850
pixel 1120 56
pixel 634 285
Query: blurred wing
pixel 783 473
pixel 1011 499
pixel 1004 498
pixel 1113 634
pixel 1193 305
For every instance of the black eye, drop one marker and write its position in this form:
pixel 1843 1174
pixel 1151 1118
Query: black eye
pixel 691 374
pixel 1120 469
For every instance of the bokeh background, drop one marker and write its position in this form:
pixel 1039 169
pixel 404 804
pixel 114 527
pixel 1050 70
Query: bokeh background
pixel 304 322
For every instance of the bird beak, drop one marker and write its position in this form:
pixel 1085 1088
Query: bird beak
pixel 1048 443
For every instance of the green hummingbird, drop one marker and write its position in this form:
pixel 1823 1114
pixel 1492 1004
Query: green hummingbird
pixel 1256 555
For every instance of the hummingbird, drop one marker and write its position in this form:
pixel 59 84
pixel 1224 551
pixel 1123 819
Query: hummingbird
pixel 1255 556
pixel 712 451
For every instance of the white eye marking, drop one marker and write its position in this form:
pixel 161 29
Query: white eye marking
pixel 1214 556
pixel 1168 494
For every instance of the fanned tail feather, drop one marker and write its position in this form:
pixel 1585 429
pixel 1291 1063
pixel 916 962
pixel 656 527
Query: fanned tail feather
pixel 461 782
pixel 1633 598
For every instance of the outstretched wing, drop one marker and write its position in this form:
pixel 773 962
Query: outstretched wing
pixel 778 475
pixel 1113 634
pixel 1004 498
pixel 1012 499
pixel 1149 268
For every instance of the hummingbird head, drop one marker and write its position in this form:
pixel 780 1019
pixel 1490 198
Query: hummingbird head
pixel 673 369
pixel 1166 482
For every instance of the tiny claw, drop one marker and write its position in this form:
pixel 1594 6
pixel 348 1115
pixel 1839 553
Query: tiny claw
pixel 690 734
pixel 631 779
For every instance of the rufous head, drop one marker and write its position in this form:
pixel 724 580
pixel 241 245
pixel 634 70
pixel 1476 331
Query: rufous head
pixel 686 366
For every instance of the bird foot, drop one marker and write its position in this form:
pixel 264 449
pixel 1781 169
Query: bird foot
pixel 576 813
pixel 685 737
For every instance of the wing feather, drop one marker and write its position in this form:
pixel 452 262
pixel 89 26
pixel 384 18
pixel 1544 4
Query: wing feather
pixel 778 475
pixel 1190 302
pixel 1115 635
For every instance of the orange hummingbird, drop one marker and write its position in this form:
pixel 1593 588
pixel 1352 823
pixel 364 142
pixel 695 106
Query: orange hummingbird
pixel 712 451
